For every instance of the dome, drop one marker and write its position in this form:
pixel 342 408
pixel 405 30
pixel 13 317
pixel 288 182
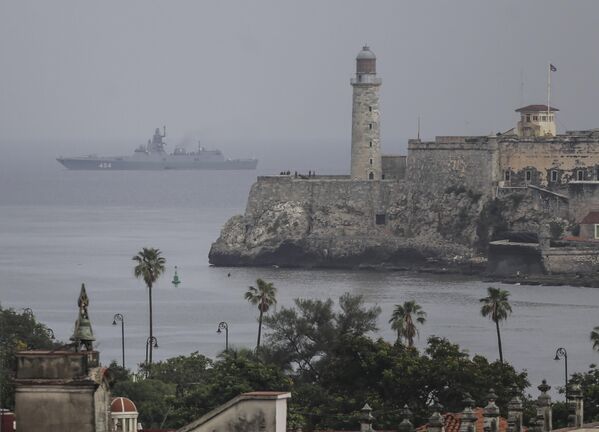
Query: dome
pixel 122 405
pixel 366 54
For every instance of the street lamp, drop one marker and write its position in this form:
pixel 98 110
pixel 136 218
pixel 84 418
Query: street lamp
pixel 223 325
pixel 150 341
pixel 561 353
pixel 121 318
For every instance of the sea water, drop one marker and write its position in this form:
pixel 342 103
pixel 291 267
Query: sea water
pixel 61 228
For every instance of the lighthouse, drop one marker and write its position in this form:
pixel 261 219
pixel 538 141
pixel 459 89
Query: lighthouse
pixel 365 131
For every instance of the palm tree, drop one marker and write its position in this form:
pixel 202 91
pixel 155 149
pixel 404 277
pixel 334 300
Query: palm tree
pixel 595 338
pixel 404 320
pixel 264 296
pixel 497 307
pixel 150 266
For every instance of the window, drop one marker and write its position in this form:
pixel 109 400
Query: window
pixel 370 161
pixel 506 175
pixel 528 175
pixel 597 231
pixel 580 175
pixel 359 78
pixel 370 108
pixel 554 176
pixel 370 144
pixel 535 118
pixel 544 118
pixel 597 174
pixel 371 176
pixel 381 219
pixel 369 125
pixel 528 117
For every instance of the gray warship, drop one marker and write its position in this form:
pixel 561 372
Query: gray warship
pixel 154 157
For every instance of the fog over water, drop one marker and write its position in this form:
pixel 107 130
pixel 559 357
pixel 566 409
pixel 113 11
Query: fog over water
pixel 265 79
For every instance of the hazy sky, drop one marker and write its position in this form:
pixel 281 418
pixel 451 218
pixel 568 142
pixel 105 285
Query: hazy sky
pixel 258 76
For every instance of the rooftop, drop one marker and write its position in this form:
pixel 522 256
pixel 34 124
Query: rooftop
pixel 536 108
pixel 591 218
pixel 366 54
pixel 453 421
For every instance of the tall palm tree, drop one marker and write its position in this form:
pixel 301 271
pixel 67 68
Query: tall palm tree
pixel 595 338
pixel 263 296
pixel 404 320
pixel 497 307
pixel 149 267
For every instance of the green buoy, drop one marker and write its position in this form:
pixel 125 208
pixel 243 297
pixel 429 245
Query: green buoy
pixel 176 281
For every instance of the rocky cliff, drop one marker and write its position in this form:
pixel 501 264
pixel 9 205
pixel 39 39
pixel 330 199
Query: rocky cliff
pixel 333 222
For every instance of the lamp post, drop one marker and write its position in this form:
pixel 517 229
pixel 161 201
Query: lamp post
pixel 561 353
pixel 223 325
pixel 151 340
pixel 121 318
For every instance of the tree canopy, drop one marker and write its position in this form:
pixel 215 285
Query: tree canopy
pixel 18 331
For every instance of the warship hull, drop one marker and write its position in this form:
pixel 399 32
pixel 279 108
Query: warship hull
pixel 170 162
pixel 153 157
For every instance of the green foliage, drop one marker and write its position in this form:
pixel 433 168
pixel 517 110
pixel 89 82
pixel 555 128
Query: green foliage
pixel 150 265
pixel 180 370
pixel 336 368
pixel 153 399
pixel 184 388
pixel 324 354
pixel 301 335
pixel 497 307
pixel 264 295
pixel 404 320
pixel 118 373
pixel 18 332
pixel 389 376
pixel 560 413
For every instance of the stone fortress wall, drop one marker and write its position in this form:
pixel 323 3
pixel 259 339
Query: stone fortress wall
pixel 549 162
pixel 347 206
pixel 452 161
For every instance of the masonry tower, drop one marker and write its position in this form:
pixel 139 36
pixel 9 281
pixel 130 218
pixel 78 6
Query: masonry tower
pixel 365 131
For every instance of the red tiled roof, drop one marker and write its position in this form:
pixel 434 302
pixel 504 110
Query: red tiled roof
pixel 536 108
pixel 122 405
pixel 591 218
pixel 453 421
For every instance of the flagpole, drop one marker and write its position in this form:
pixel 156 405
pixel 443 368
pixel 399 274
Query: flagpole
pixel 548 89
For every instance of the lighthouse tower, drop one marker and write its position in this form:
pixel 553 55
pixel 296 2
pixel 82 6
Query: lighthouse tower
pixel 365 131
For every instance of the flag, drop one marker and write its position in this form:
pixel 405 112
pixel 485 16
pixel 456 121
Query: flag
pixel 552 68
